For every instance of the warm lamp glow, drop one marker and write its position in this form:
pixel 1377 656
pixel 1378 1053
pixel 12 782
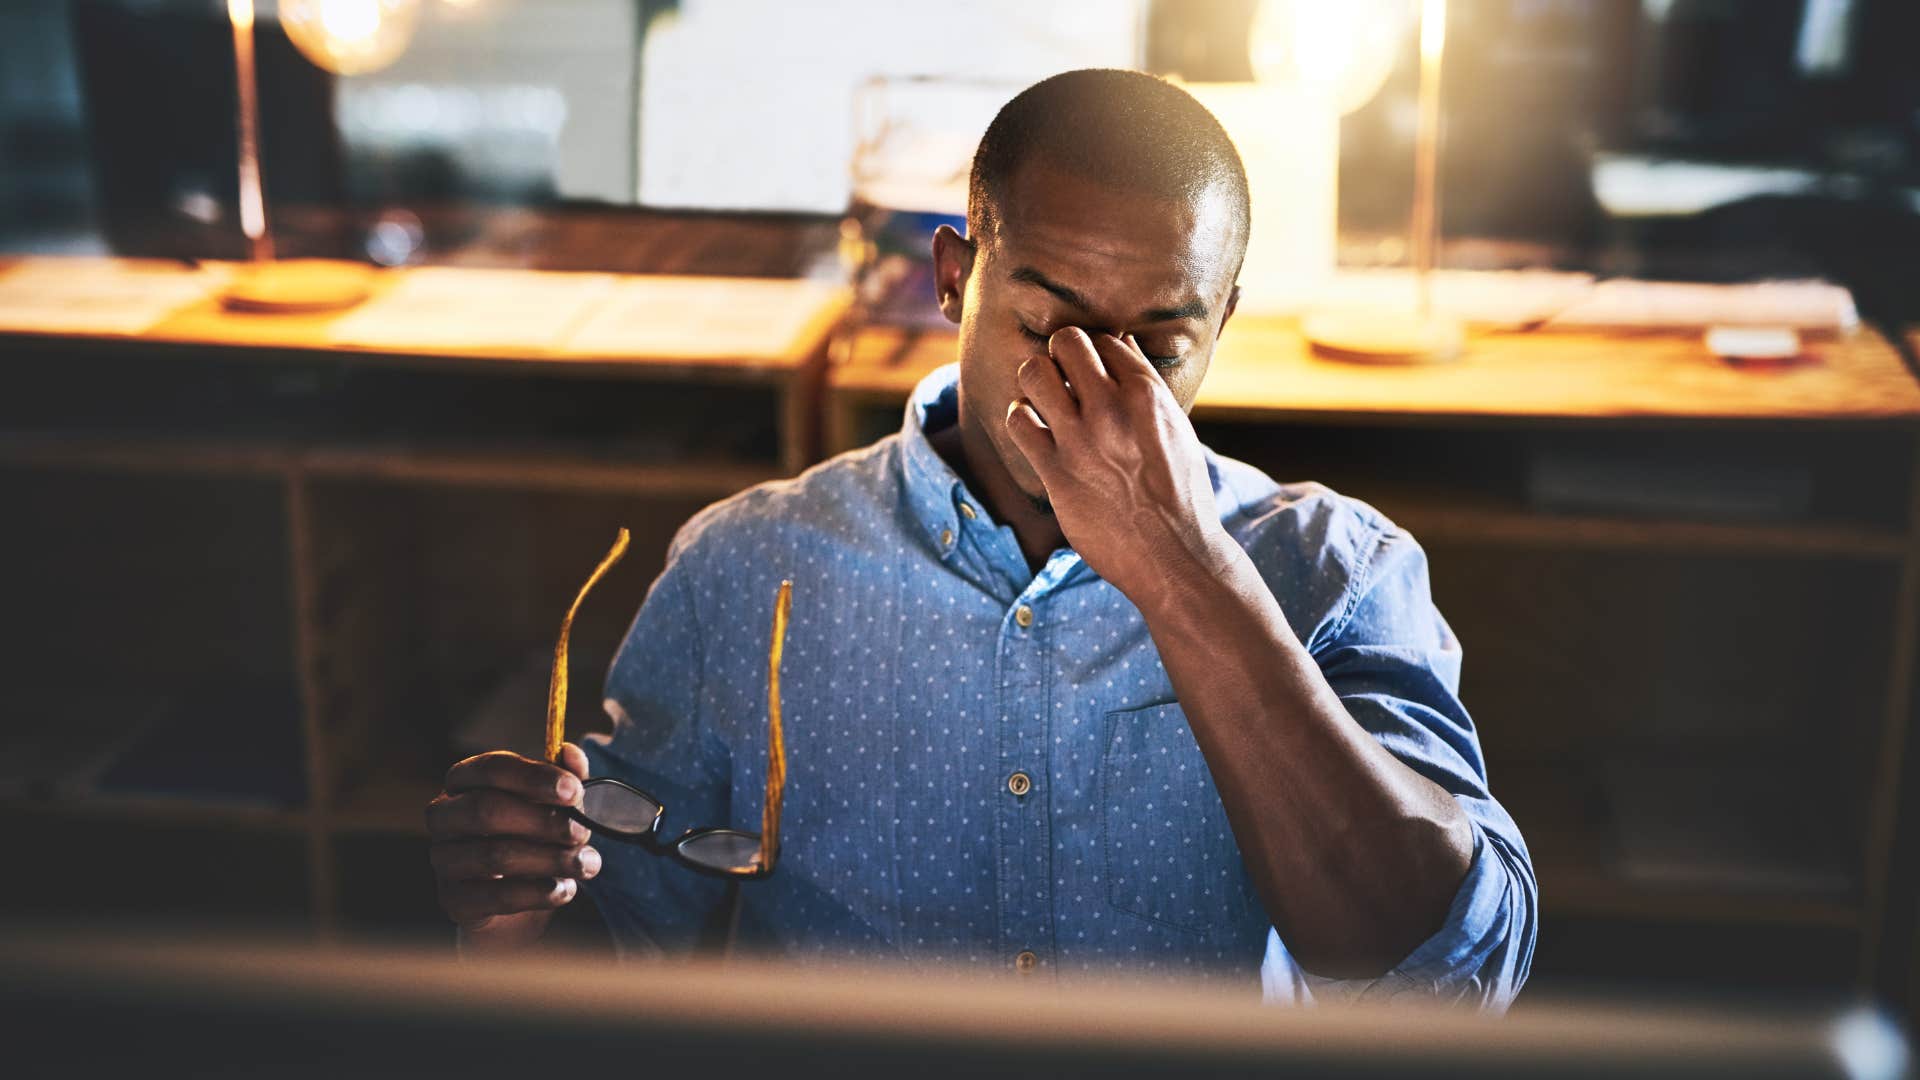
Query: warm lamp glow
pixel 1433 29
pixel 1342 51
pixel 350 37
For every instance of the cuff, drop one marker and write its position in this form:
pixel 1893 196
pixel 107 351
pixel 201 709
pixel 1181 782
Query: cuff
pixel 1475 926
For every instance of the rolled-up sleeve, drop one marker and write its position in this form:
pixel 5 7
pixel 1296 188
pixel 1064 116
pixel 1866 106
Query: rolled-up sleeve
pixel 1395 663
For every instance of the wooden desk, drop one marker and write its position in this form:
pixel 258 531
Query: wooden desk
pixel 1264 372
pixel 1629 666
pixel 363 545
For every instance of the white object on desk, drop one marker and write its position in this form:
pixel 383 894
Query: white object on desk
pixel 1753 342
pixel 1289 141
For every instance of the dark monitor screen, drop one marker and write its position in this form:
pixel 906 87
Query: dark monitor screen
pixel 88 1006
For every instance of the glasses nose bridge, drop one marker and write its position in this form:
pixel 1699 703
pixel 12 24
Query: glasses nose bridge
pixel 638 802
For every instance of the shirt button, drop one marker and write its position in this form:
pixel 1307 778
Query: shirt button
pixel 946 537
pixel 1026 961
pixel 1019 783
pixel 966 511
pixel 1023 615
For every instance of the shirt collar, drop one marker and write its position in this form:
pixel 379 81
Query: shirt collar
pixel 933 490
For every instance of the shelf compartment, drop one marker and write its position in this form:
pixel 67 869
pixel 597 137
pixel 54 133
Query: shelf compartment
pixel 536 470
pixel 435 597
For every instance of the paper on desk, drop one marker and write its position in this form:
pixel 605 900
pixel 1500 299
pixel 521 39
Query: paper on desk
pixel 1483 297
pixel 1567 301
pixel 457 309
pixel 88 295
pixel 1627 303
pixel 672 316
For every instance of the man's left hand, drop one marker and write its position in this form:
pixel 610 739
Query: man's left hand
pixel 1121 463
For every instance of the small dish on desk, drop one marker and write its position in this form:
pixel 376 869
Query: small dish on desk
pixel 298 285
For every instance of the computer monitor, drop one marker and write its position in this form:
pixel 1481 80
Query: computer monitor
pixel 83 1006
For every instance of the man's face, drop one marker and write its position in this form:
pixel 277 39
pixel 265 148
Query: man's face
pixel 1071 253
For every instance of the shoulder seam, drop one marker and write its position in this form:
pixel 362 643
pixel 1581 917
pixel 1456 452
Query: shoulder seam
pixel 1357 588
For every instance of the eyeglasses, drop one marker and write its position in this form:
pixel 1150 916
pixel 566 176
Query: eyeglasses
pixel 623 812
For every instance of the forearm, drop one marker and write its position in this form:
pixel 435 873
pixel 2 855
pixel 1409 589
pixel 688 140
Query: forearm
pixel 1355 856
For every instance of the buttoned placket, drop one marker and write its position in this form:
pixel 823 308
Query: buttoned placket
pixel 971 544
pixel 1023 824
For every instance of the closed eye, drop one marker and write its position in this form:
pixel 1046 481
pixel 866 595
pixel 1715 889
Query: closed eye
pixel 1161 362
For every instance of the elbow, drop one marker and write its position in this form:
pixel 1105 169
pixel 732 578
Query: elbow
pixel 1381 916
pixel 1350 962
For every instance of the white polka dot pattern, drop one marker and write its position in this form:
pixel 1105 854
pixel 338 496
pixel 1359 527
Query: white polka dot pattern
pixel 914 691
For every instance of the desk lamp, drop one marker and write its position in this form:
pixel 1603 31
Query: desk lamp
pixel 346 37
pixel 1348 49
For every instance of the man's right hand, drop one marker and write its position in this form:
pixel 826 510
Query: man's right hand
pixel 504 851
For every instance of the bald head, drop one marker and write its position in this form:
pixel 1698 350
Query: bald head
pixel 1125 130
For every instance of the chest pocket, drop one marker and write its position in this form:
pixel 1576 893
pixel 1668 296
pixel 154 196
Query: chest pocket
pixel 1170 853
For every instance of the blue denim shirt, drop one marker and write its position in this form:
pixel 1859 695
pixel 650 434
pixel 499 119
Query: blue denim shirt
pixel 913 690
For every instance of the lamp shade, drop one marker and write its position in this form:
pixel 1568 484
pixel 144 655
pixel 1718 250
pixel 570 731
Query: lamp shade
pixel 1341 51
pixel 350 37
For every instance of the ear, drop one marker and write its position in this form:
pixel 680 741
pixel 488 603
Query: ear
pixel 1233 301
pixel 953 256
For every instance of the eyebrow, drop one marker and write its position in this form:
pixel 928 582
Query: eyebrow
pixel 1192 309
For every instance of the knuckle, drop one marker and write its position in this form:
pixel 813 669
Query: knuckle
pixel 487 810
pixel 435 813
pixel 496 857
pixel 456 770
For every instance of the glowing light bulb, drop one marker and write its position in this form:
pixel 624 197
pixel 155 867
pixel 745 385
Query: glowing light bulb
pixel 1341 51
pixel 350 37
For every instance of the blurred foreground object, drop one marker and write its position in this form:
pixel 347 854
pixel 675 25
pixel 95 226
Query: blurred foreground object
pixel 264 1011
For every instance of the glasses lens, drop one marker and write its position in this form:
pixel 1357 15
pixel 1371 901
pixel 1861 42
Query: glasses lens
pixel 617 808
pixel 724 850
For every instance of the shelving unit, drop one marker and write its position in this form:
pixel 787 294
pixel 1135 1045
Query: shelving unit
pixel 410 525
pixel 1620 649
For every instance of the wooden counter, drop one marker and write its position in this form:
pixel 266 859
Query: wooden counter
pixel 359 545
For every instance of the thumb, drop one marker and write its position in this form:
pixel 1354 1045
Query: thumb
pixel 573 759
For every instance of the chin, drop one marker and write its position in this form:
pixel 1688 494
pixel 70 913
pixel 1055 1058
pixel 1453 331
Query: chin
pixel 1017 468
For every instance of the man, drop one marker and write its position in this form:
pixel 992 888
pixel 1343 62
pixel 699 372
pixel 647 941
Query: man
pixel 1065 693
